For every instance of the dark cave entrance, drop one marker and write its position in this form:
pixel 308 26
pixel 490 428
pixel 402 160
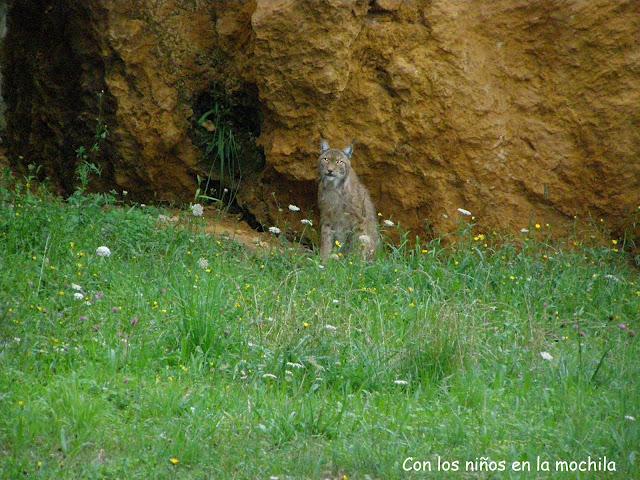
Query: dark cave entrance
pixel 225 127
pixel 52 79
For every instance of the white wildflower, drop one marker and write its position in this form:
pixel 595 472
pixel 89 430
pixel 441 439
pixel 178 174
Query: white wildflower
pixel 524 230
pixel 388 223
pixel 294 365
pixel 293 208
pixel 546 356
pixel 143 205
pixel 76 287
pixel 124 192
pixel 330 328
pixel 321 267
pixel 197 210
pixel 335 301
pixel 464 212
pixel 401 382
pixel 631 418
pixel 269 375
pixel 364 239
pixel 226 190
pixel 203 263
pixel 163 218
pixel 78 296
pixel 274 230
pixel 306 221
pixel 103 251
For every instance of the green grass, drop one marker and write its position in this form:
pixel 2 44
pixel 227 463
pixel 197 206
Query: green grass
pixel 266 364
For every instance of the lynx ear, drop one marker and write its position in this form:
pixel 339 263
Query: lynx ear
pixel 348 151
pixel 324 145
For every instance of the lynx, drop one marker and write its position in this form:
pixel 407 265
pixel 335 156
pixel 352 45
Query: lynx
pixel 347 214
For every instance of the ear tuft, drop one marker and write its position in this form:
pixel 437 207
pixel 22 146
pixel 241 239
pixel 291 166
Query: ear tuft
pixel 348 151
pixel 324 145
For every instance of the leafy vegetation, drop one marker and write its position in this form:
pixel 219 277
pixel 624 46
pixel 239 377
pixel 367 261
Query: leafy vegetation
pixel 226 129
pixel 184 356
pixel 221 149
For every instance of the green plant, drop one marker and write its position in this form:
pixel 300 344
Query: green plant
pixel 84 171
pixel 86 158
pixel 283 367
pixel 222 150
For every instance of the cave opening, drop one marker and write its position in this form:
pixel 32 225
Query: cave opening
pixel 3 33
pixel 52 84
pixel 225 127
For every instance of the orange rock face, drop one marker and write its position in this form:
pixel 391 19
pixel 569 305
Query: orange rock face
pixel 518 111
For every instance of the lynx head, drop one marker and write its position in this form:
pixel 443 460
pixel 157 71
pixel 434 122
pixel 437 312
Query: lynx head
pixel 334 164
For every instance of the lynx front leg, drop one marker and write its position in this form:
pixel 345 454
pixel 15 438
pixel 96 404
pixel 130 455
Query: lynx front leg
pixel 326 242
pixel 367 247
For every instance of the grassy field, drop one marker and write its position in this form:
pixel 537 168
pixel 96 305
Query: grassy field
pixel 152 363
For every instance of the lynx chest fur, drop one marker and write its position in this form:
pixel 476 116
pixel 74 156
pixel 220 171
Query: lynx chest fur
pixel 347 214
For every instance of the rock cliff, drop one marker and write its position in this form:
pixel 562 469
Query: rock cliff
pixel 518 111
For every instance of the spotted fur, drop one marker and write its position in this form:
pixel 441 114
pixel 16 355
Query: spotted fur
pixel 347 214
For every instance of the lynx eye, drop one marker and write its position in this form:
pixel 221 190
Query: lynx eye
pixel 340 162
